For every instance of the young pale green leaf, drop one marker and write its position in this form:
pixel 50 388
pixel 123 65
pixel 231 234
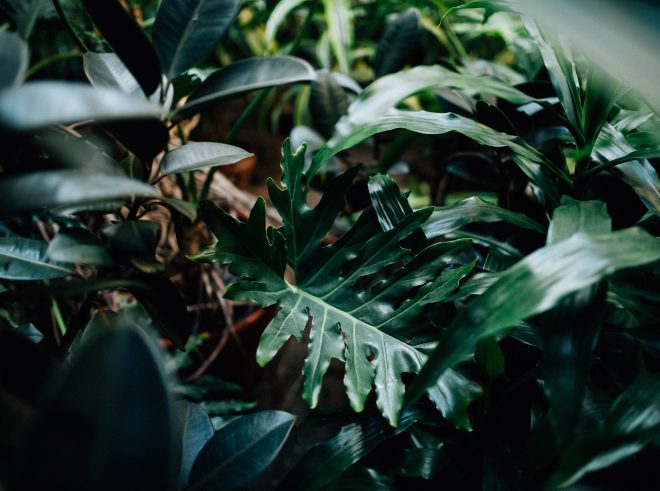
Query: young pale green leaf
pixel 26 259
pixel 362 327
pixel 47 189
pixel 186 32
pixel 196 430
pixel 244 76
pixel 78 246
pixel 447 219
pixel 326 461
pixel 282 10
pixel 14 58
pixel 115 389
pixel 339 16
pixel 128 40
pixel 327 103
pixel 240 451
pixel 535 285
pixel 199 155
pixel 397 44
pixel 37 105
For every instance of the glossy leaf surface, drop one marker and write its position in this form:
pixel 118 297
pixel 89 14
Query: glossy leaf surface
pixel 397 44
pixel 199 155
pixel 26 259
pixel 197 429
pixel 77 245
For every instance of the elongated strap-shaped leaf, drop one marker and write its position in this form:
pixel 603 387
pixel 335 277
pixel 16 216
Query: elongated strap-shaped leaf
pixel 327 103
pixel 358 325
pixel 186 31
pixel 281 11
pixel 397 44
pixel 535 285
pixel 241 450
pixel 338 15
pixel 244 76
pixel 128 40
pixel 26 259
pixel 14 58
pixel 447 219
pixel 37 105
pixel 199 155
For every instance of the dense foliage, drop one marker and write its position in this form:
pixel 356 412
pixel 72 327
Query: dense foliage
pixel 450 281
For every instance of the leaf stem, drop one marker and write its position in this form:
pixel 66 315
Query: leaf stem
pixel 41 64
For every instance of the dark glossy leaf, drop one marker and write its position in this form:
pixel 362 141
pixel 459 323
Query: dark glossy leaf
pixel 199 155
pixel 397 44
pixel 37 105
pixel 535 285
pixel 77 245
pixel 633 422
pixel 188 210
pixel 48 189
pixel 14 58
pixel 578 216
pixel 26 259
pixel 146 138
pixel 327 103
pixel 329 459
pixel 197 429
pixel 128 40
pixel 366 328
pixel 105 423
pixel 447 219
pixel 241 450
pixel 389 204
pixel 243 76
pixel 133 237
pixel 361 478
pixel 185 32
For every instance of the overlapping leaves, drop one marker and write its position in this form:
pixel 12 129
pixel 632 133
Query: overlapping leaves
pixel 367 327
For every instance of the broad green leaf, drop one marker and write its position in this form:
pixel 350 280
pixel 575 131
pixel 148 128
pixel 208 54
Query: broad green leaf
pixel 633 422
pixel 282 10
pixel 196 430
pixel 578 216
pixel 48 189
pixel 133 237
pixel 363 327
pixel 14 58
pixel 339 17
pixel 397 44
pixel 115 389
pixel 348 133
pixel 535 285
pixel 326 461
pixel 128 40
pixel 199 155
pixel 26 259
pixel 37 105
pixel 327 103
pixel 185 32
pixel 243 76
pixel 240 451
pixel 447 219
pixel 187 209
pixel 78 246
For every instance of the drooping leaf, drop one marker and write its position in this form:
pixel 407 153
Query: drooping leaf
pixel 77 245
pixel 327 103
pixel 48 189
pixel 199 155
pixel 128 40
pixel 535 285
pixel 14 58
pixel 363 327
pixel 339 16
pixel 282 10
pixel 244 76
pixel 241 450
pixel 26 259
pixel 395 47
pixel 185 32
pixel 115 390
pixel 37 105
pixel 197 429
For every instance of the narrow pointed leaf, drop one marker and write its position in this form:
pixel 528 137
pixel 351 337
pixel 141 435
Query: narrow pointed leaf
pixel 278 15
pixel 244 76
pixel 26 259
pixel 397 44
pixel 199 155
pixel 14 58
pixel 339 15
pixel 185 32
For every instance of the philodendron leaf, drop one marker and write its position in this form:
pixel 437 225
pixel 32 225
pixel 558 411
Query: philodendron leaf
pixel 197 429
pixel 243 76
pixel 534 285
pixel 186 32
pixel 14 58
pixel 365 327
pixel 26 259
pixel 106 422
pixel 37 105
pixel 199 155
pixel 397 44
pixel 240 451
pixel 128 40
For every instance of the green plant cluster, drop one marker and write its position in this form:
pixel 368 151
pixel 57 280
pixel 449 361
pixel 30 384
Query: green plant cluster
pixel 495 326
